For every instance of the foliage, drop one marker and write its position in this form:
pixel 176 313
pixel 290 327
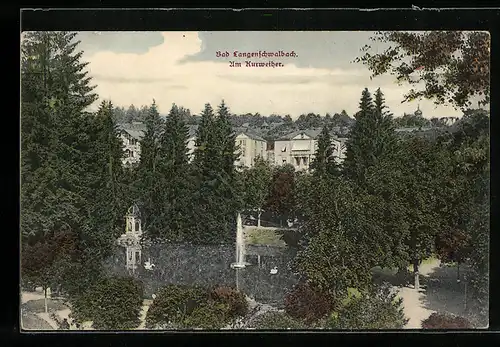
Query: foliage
pixel 149 182
pixel 307 303
pixel 173 303
pixel 235 301
pixel 174 186
pixel 452 66
pixel 35 264
pixel 256 181
pixel 410 181
pixel 324 161
pixel 209 315
pixel 217 198
pixel 412 120
pixel 344 237
pixel 114 303
pixel 70 163
pixel 281 197
pixel 195 307
pixel 371 137
pixel 445 321
pixel 276 321
pixel 379 309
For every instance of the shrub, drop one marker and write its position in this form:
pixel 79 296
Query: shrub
pixel 174 303
pixel 235 301
pixel 113 303
pixel 445 321
pixel 277 320
pixel 307 303
pixel 207 316
pixel 379 309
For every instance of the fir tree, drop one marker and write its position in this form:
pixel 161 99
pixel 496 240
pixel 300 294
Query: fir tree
pixel 57 151
pixel 204 135
pixel 176 184
pixel 109 202
pixel 324 162
pixel 371 137
pixel 55 93
pixel 148 181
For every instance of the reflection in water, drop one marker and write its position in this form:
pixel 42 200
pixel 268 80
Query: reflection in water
pixel 267 277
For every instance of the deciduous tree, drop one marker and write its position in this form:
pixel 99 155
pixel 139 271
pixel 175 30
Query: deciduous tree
pixel 452 66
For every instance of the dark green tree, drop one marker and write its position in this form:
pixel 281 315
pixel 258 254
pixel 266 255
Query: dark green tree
pixel 256 181
pixel 204 135
pixel 148 180
pixel 281 198
pixel 371 137
pixel 57 151
pixel 324 161
pixel 344 237
pixel 216 197
pixel 176 183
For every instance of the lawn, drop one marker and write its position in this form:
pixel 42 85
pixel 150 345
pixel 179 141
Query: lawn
pixel 38 306
pixel 261 236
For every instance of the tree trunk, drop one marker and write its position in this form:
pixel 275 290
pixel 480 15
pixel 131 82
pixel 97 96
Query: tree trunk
pixel 415 271
pixel 258 218
pixel 45 300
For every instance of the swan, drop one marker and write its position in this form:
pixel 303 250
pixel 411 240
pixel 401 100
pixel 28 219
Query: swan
pixel 274 271
pixel 148 265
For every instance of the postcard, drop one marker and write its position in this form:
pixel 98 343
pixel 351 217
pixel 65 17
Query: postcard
pixel 242 180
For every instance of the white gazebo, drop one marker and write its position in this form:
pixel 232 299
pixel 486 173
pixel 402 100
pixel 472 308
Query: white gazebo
pixel 131 239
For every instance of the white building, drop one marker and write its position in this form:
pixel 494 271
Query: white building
pixel 250 146
pixel 131 135
pixel 298 148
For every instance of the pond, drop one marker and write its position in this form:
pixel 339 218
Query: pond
pixel 267 279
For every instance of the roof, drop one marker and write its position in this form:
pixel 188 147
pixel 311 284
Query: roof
pixel 192 130
pixel 136 134
pixel 409 129
pixel 312 133
pixel 249 133
pixel 137 130
pixel 134 211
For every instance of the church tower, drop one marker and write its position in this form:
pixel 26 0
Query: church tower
pixel 418 113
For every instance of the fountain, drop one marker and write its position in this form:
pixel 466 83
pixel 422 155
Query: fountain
pixel 240 246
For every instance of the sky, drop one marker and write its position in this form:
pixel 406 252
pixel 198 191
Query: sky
pixel 182 68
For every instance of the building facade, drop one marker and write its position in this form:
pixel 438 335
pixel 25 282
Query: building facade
pixel 250 147
pixel 132 134
pixel 298 149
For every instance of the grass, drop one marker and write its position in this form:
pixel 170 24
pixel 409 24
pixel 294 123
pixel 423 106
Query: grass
pixel 38 306
pixel 427 261
pixel 263 237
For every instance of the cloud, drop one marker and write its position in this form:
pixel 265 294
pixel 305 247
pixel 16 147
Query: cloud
pixel 163 73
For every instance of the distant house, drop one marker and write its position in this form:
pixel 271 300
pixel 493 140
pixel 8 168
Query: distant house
pixel 298 148
pixel 191 144
pixel 251 146
pixel 132 133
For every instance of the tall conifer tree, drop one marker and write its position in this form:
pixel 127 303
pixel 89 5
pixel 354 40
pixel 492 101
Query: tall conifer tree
pixel 324 162
pixel 176 184
pixel 148 183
